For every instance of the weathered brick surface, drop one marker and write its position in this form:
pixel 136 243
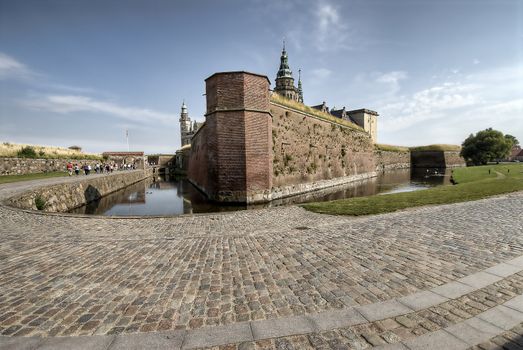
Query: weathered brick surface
pixel 235 143
pixel 307 149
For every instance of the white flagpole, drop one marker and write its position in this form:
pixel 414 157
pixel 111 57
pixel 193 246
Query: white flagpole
pixel 127 137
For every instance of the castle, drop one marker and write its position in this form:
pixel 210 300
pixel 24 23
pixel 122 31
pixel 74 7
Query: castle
pixel 187 129
pixel 256 145
pixel 364 118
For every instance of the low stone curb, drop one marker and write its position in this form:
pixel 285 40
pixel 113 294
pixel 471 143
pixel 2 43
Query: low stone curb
pixel 458 336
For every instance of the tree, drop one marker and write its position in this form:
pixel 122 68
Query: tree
pixel 486 146
pixel 76 148
pixel 512 139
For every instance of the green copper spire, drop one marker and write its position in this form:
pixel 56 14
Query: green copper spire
pixel 300 91
pixel 284 71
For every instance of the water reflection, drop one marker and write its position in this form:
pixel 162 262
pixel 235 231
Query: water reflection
pixel 167 196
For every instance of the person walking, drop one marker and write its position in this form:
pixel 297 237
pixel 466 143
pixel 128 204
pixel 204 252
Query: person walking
pixel 76 169
pixel 69 167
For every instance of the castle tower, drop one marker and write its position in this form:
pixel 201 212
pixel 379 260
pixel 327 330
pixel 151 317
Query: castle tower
pixel 300 90
pixel 185 126
pixel 284 80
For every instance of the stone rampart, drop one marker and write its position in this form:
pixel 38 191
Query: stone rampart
pixel 436 159
pixel 66 196
pixel 22 166
pixel 391 160
pixel 310 153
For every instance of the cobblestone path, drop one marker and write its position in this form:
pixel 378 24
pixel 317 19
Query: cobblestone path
pixel 63 275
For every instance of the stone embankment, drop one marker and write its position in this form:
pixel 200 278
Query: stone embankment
pixel 391 160
pixel 22 166
pixel 65 196
pixel 436 159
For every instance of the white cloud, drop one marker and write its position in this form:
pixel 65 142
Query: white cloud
pixel 321 73
pixel 430 103
pixel 331 33
pixel 392 77
pixel 322 26
pixel 476 61
pixel 72 103
pixel 450 110
pixel 10 68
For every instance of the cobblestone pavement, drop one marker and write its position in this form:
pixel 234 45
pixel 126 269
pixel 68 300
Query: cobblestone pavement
pixel 64 275
pixel 408 326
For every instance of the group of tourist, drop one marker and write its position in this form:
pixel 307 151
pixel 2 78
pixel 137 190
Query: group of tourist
pixel 99 168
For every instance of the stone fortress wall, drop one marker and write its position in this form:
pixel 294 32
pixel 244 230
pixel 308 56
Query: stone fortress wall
pixel 253 149
pixel 69 195
pixel 22 166
pixel 392 160
pixel 438 159
pixel 309 153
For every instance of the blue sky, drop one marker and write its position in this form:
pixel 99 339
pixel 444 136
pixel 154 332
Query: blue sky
pixel 82 72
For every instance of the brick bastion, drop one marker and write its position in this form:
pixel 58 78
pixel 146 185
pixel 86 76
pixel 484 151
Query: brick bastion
pixel 65 196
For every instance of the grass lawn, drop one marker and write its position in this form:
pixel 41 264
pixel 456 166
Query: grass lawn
pixel 472 183
pixel 15 178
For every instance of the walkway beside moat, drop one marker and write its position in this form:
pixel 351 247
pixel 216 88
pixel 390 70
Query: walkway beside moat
pixel 446 277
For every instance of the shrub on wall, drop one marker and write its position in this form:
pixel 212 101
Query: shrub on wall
pixel 26 152
pixel 40 203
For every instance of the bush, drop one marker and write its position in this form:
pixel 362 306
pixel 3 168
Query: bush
pixel 40 203
pixel 26 152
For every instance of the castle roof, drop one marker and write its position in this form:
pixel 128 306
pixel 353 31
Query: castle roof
pixel 323 107
pixel 122 154
pixel 363 110
pixel 238 71
pixel 285 70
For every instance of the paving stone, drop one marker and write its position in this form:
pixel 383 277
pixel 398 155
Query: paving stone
pixel 515 303
pixel 336 319
pixel 480 279
pixel 121 276
pixel 436 340
pixel 422 300
pixel 380 311
pixel 282 327
pixel 94 342
pixel 19 343
pixel 215 336
pixel 502 317
pixel 396 346
pixel 453 290
pixel 474 331
pixel 503 270
pixel 516 262
pixel 153 341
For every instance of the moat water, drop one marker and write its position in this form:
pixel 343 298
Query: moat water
pixel 169 196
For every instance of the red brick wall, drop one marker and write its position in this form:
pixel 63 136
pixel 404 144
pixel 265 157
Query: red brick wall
pixel 237 151
pixel 198 166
